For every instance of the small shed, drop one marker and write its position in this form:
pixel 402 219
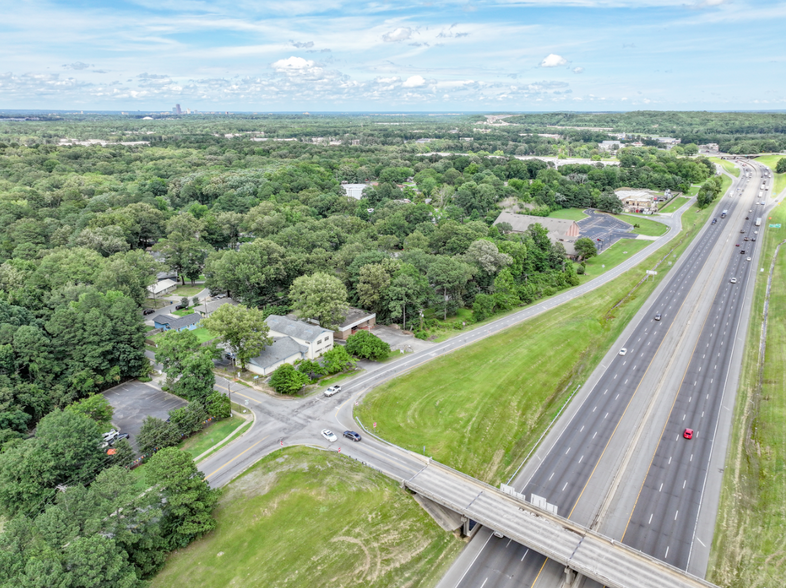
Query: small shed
pixel 162 288
pixel 356 319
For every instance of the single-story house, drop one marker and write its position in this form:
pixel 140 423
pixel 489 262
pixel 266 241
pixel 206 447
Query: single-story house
pixel 209 307
pixel 316 339
pixel 283 350
pixel 167 275
pixel 168 322
pixel 560 230
pixel 610 145
pixel 356 319
pixel 162 288
pixel 354 190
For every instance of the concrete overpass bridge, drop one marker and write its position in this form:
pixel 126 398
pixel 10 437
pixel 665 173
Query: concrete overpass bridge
pixel 582 551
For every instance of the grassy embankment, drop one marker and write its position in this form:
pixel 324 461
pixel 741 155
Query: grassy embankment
pixel 646 226
pixel 749 547
pixel 481 408
pixel 675 203
pixel 780 179
pixel 302 517
pixel 727 165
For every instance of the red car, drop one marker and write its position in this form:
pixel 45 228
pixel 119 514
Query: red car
pixel 688 434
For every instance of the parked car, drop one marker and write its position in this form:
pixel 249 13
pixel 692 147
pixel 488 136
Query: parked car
pixel 148 311
pixel 181 307
pixel 119 437
pixel 332 390
pixel 352 435
pixel 688 433
pixel 329 435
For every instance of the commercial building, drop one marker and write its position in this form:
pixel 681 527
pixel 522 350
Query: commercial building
pixel 560 230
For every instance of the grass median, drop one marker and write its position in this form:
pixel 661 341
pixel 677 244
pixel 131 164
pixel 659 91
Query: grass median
pixel 675 204
pixel 480 409
pixel 646 226
pixel 750 531
pixel 303 517
pixel 771 161
pixel 727 165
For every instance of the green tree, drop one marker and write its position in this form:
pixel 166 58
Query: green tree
pixel 124 454
pixel 367 346
pixel 188 419
pixel 156 434
pixel 197 378
pixel 407 294
pixel 172 349
pixel 95 407
pixel 242 329
pixel 448 276
pixel 287 380
pixel 321 297
pixel 585 247
pixel 483 307
pixel 189 499
pixel 337 360
pixel 780 167
pixel 218 405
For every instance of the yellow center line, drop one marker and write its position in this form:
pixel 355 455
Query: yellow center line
pixel 234 458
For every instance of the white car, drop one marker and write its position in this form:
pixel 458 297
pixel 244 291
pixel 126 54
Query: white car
pixel 749 259
pixel 623 351
pixel 332 390
pixel 733 280
pixel 329 435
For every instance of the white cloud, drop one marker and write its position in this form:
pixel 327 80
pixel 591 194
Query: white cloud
pixel 414 82
pixel 578 70
pixel 553 60
pixel 293 64
pixel 77 65
pixel 397 35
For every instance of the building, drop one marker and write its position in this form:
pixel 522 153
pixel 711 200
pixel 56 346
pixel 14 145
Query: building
pixel 560 230
pixel 209 307
pixel 314 338
pixel 356 319
pixel 283 350
pixel 168 322
pixel 640 200
pixel 610 145
pixel 354 190
pixel 162 288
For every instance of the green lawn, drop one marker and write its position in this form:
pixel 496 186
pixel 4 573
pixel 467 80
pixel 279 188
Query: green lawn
pixel 184 312
pixel 646 226
pixel 612 256
pixel 575 214
pixel 675 203
pixel 727 165
pixel 303 517
pixel 188 291
pixel 197 444
pixel 202 335
pixel 750 531
pixel 481 408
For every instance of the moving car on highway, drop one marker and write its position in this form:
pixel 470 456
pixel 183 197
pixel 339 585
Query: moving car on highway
pixel 329 435
pixel 352 435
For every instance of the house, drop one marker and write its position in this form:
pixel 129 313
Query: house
pixel 168 322
pixel 167 275
pixel 609 145
pixel 637 200
pixel 210 306
pixel 356 319
pixel 283 350
pixel 560 230
pixel 314 338
pixel 162 288
pixel 354 190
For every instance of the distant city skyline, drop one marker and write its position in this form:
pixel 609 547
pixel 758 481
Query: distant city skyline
pixel 519 55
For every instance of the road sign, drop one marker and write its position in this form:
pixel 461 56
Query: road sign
pixel 777 226
pixel 652 273
pixel 375 425
pixel 339 449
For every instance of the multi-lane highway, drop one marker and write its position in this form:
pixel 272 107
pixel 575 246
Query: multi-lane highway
pixel 583 458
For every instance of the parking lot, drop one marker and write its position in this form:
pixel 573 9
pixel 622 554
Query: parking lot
pixel 604 226
pixel 133 401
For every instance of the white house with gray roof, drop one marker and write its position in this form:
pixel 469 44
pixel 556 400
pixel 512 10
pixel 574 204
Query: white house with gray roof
pixel 283 350
pixel 314 338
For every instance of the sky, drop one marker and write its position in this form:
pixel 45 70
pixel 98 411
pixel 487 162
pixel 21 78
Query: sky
pixel 436 55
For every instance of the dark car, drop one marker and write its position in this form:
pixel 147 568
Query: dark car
pixel 747 218
pixel 119 437
pixel 742 252
pixel 181 307
pixel 148 311
pixel 352 435
pixel 746 239
pixel 688 433
pixel 715 220
pixel 753 238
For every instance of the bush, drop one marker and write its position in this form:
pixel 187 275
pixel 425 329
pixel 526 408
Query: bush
pixel 421 335
pixel 365 345
pixel 188 420
pixel 218 405
pixel 311 368
pixel 337 360
pixel 287 380
pixel 156 434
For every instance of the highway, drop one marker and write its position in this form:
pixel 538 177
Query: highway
pixel 581 461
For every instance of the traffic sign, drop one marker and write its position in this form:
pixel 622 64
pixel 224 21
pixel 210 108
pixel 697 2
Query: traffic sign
pixel 778 226
pixel 375 425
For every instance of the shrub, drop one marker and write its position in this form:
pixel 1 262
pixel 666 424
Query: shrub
pixel 337 360
pixel 287 380
pixel 218 405
pixel 364 344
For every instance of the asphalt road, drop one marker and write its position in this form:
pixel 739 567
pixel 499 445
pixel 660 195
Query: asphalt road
pixel 604 227
pixel 565 472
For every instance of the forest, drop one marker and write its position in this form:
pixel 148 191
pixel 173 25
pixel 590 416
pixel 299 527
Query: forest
pixel 93 207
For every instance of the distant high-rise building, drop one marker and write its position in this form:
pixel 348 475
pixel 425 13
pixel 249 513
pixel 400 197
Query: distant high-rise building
pixel 177 109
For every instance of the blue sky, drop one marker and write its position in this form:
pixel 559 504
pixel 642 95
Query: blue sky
pixel 437 55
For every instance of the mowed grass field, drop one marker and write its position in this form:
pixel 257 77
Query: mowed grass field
pixel 612 257
pixel 481 408
pixel 780 179
pixel 749 546
pixel 675 203
pixel 646 226
pixel 575 214
pixel 727 165
pixel 303 517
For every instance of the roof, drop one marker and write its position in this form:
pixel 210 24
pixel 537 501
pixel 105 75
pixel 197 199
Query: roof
pixel 354 190
pixel 297 329
pixel 281 349
pixel 178 322
pixel 211 306
pixel 557 227
pixel 355 316
pixel 161 286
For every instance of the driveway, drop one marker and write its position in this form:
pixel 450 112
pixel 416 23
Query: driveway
pixel 400 340
pixel 133 401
